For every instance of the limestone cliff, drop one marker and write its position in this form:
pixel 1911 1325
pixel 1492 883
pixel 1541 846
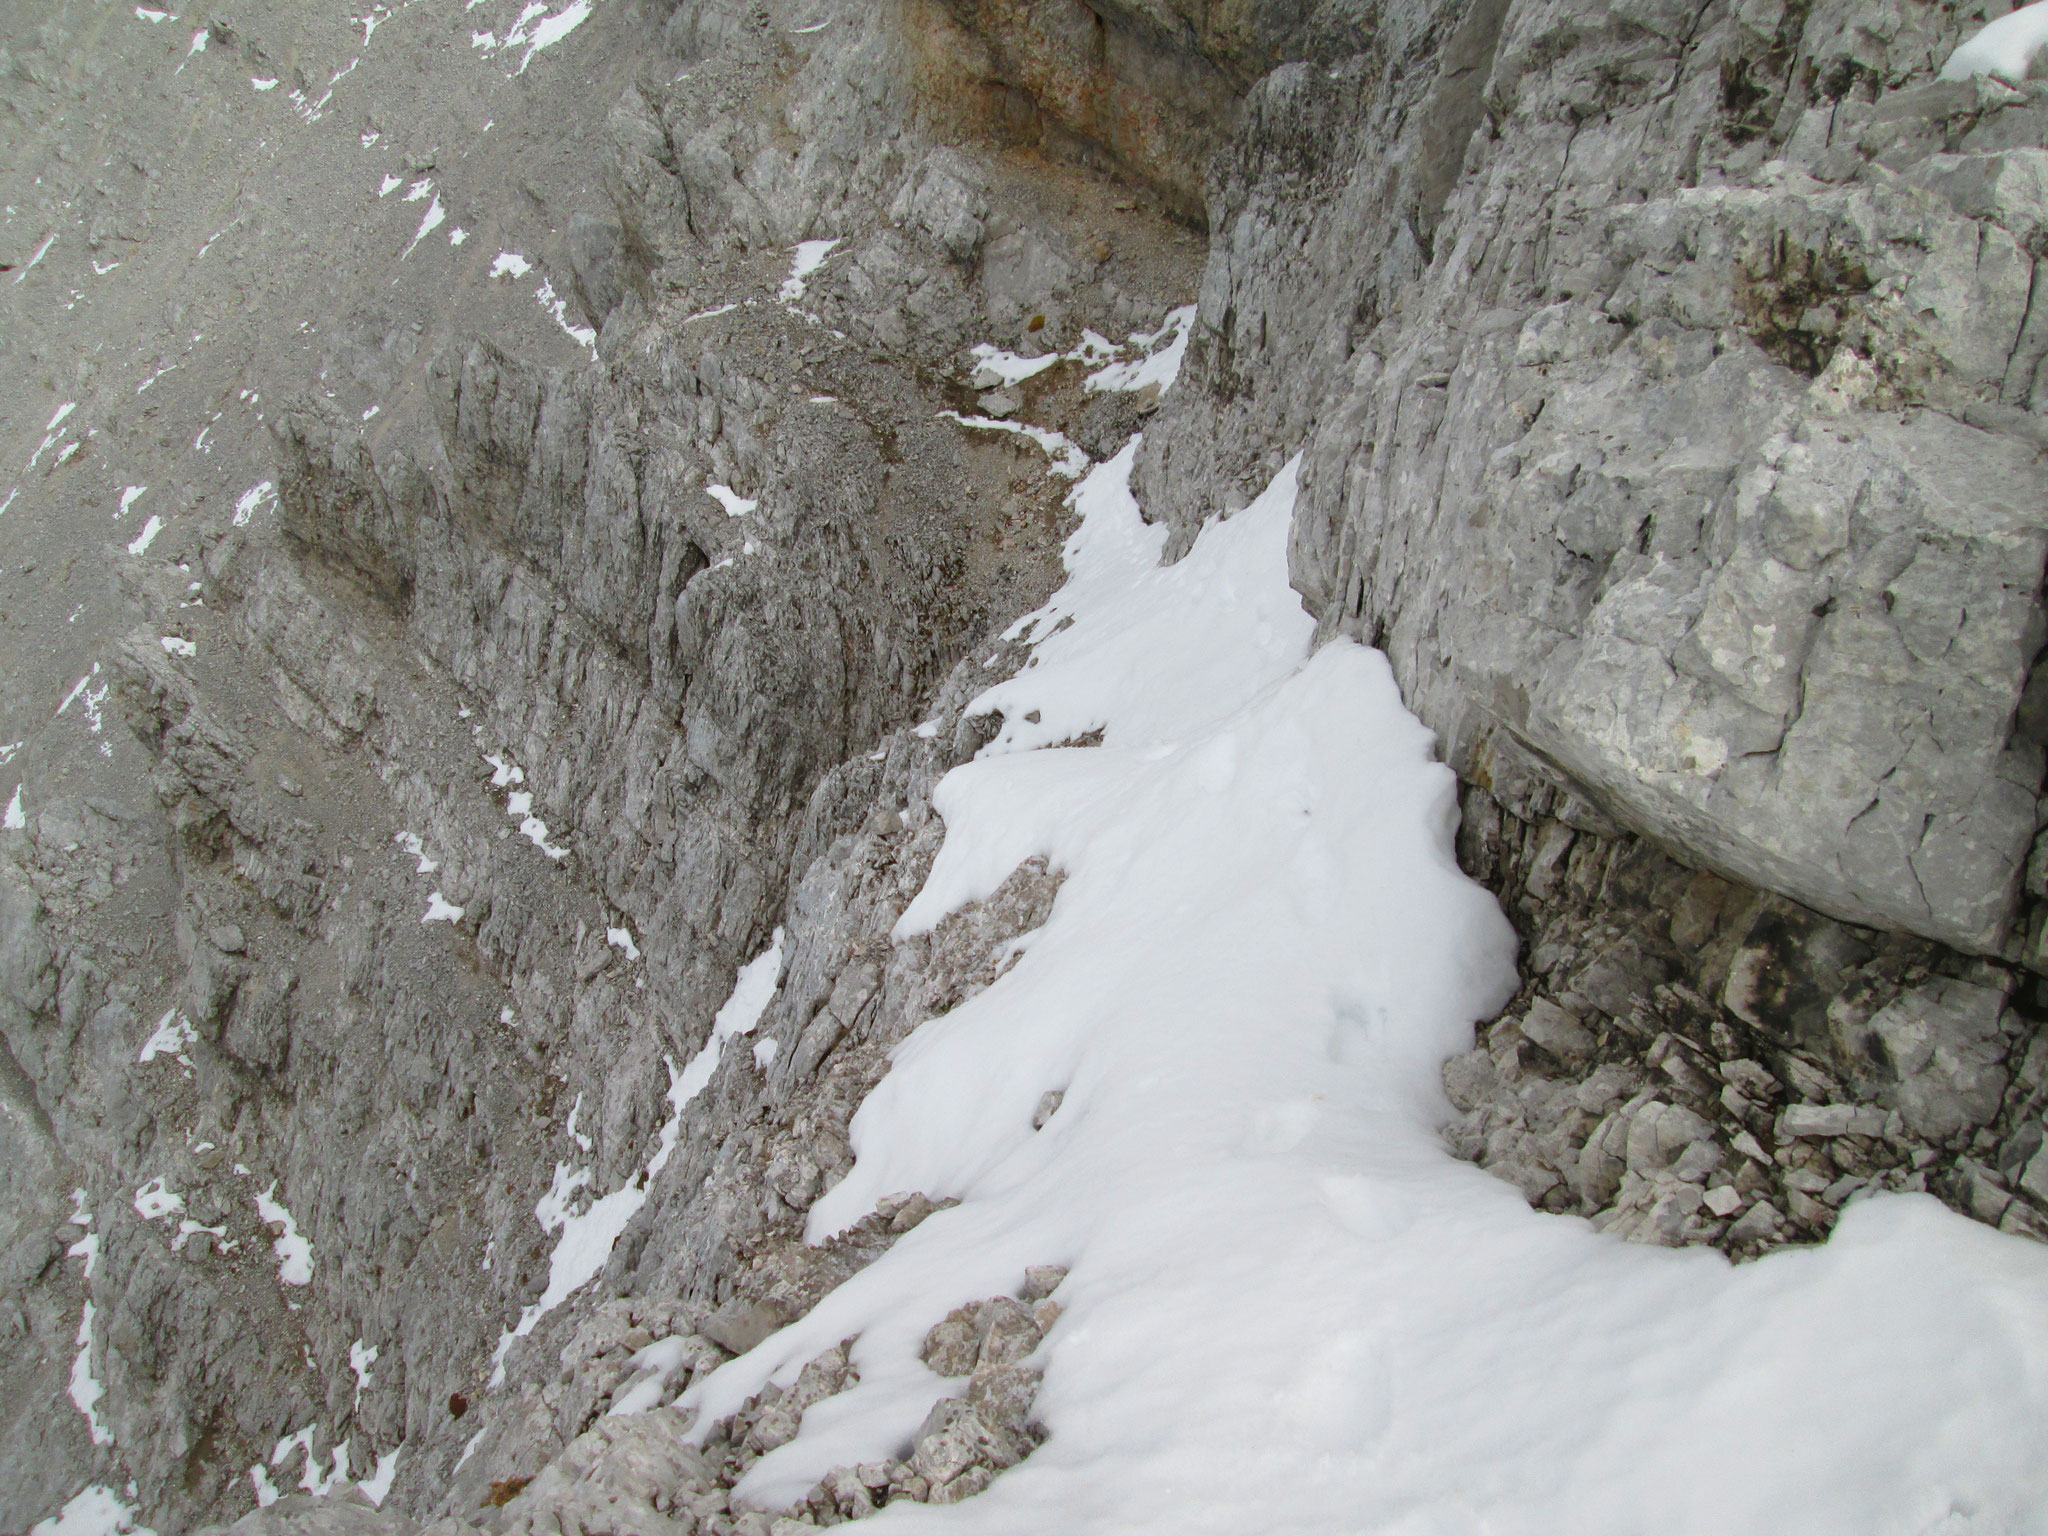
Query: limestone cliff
pixel 600 608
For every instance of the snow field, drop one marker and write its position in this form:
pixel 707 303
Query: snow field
pixel 1289 1308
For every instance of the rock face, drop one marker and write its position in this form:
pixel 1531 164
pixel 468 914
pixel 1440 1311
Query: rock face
pixel 1698 460
pixel 1668 382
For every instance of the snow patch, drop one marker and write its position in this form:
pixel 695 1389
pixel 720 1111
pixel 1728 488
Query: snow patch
pixel 2006 47
pixel 1068 461
pixel 294 1252
pixel 735 504
pixel 377 1486
pixel 752 990
pixel 12 819
pixel 35 261
pixel 266 1491
pixel 144 539
pixel 311 1478
pixel 85 1389
pixel 430 221
pixel 174 1032
pixel 586 1238
pixel 250 500
pixel 1163 352
pixel 173 646
pixel 156 1199
pixel 441 910
pixel 410 842
pixel 92 1511
pixel 361 1357
pixel 808 258
pixel 558 309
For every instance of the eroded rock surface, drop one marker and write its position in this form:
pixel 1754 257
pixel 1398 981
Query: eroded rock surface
pixel 519 646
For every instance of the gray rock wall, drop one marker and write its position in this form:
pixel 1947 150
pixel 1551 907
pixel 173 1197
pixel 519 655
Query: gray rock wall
pixel 1667 381
pixel 1692 442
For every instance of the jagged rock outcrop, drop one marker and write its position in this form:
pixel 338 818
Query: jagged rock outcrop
pixel 1667 381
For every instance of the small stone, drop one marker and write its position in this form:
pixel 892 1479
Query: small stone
pixel 1723 1200
pixel 1007 1332
pixel 1041 1280
pixel 2023 1221
pixel 974 1480
pixel 951 1347
pixel 913 1211
pixel 227 938
pixel 740 1324
pixel 1830 1120
pixel 2034 1178
pixel 1470 1080
pixel 1807 1209
pixel 1759 1223
pixel 1698 1160
pixel 1685 1076
pixel 1048 1105
pixel 1749 1078
pixel 1808 1081
pixel 999 405
pixel 1659 1133
pixel 289 785
pixel 773 1427
pixel 984 378
pixel 1558 1033
pixel 1605 1087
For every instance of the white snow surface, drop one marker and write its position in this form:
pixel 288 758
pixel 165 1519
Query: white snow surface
pixel 1160 363
pixel 294 1251
pixel 377 1486
pixel 1289 1308
pixel 85 1389
pixel 1157 360
pixel 92 1511
pixel 173 1033
pixel 807 258
pixel 2006 47
pixel 752 991
pixel 144 539
pixel 734 503
pixel 440 909
pixel 1068 459
pixel 587 1236
pixel 157 1199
